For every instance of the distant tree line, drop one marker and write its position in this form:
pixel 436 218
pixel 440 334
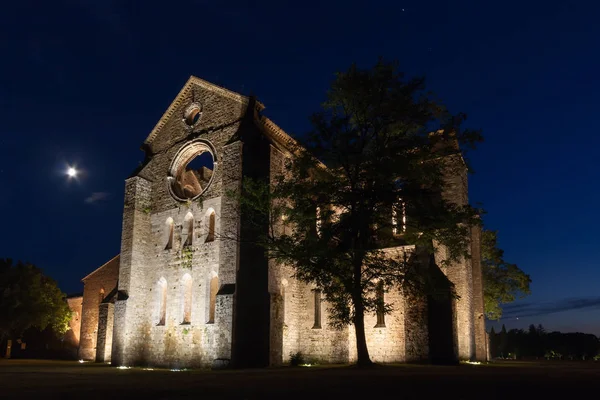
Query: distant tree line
pixel 539 344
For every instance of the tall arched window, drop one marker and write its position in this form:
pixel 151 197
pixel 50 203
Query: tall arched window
pixel 161 303
pixel 188 229
pixel 284 284
pixel 399 218
pixel 379 294
pixel 210 237
pixel 319 221
pixel 169 229
pixel 186 299
pixel 317 294
pixel 212 305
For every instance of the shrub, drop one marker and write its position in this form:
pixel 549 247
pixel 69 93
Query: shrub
pixel 297 359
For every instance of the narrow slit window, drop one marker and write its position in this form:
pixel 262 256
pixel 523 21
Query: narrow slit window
pixel 169 228
pixel 318 222
pixel 399 218
pixel 214 287
pixel 101 295
pixel 380 306
pixel 283 305
pixel 187 299
pixel 284 285
pixel 210 237
pixel 162 301
pixel 189 229
pixel 317 294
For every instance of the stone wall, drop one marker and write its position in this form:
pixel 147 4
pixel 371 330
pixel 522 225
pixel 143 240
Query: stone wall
pixel 73 334
pixel 96 286
pixel 478 302
pixel 105 332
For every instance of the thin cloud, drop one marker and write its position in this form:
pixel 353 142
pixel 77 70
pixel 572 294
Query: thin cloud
pixel 96 197
pixel 524 310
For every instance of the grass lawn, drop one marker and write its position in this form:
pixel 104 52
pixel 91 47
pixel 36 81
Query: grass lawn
pixel 502 380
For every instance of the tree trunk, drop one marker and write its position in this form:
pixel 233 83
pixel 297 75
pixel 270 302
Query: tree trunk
pixel 363 359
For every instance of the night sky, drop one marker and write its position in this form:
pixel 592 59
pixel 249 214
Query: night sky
pixel 84 82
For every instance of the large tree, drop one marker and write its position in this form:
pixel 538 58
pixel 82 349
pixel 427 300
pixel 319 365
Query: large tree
pixel 503 282
pixel 381 150
pixel 28 299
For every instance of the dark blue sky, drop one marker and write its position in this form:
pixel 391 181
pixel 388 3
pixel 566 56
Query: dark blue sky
pixel 84 82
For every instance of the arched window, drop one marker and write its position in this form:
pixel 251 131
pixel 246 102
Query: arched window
pixel 188 229
pixel 210 237
pixel 379 294
pixel 319 221
pixel 284 284
pixel 399 218
pixel 317 294
pixel 186 299
pixel 169 229
pixel 212 305
pixel 161 301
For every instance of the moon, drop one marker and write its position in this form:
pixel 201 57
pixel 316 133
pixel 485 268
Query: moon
pixel 72 172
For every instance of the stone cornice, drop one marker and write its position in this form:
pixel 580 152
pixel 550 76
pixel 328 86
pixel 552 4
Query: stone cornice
pixel 99 268
pixel 277 135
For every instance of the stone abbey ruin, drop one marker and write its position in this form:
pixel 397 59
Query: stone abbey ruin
pixel 180 294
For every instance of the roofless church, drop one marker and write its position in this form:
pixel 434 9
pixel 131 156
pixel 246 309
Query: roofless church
pixel 184 293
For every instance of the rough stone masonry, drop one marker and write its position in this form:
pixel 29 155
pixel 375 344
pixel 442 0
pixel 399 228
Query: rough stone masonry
pixel 184 292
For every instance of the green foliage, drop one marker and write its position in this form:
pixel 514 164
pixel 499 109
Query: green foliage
pixel 374 137
pixel 30 299
pixel 297 359
pixel 187 256
pixel 503 282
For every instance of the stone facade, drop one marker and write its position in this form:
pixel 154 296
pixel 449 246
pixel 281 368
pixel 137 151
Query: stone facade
pixel 186 292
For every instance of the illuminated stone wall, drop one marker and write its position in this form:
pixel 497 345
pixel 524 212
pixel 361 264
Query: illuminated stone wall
pixel 262 315
pixel 139 338
pixel 96 286
pixel 72 336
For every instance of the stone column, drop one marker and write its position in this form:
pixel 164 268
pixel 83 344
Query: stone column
pixel 478 303
pixel 105 332
pixel 135 247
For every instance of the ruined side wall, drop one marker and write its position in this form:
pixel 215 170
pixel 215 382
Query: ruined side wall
pixel 292 309
pixel 103 280
pixel 292 314
pixel 387 344
pixel 73 334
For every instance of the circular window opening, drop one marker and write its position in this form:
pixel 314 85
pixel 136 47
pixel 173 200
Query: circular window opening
pixel 192 115
pixel 193 174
